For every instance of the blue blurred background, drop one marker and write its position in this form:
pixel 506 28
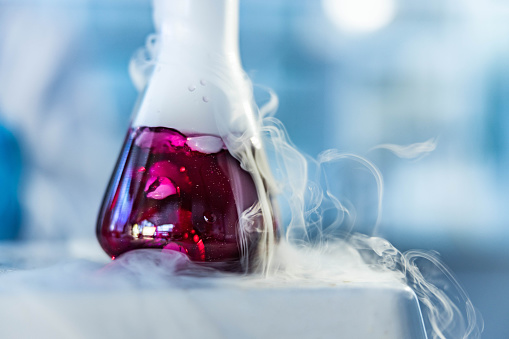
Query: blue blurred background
pixel 350 74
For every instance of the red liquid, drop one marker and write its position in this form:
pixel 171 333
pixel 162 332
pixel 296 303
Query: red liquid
pixel 168 193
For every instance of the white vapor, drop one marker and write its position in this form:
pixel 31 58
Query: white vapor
pixel 412 151
pixel 300 248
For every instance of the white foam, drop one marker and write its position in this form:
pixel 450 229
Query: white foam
pixel 205 144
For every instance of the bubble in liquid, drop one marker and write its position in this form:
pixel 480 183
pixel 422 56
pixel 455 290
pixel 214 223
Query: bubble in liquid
pixel 209 217
pixel 203 82
pixel 205 99
pixel 191 88
pixel 159 188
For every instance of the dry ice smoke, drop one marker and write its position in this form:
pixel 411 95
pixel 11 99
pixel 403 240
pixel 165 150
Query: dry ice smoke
pixel 316 238
pixel 329 249
pixel 414 151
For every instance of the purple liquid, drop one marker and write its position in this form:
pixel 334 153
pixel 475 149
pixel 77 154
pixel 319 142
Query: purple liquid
pixel 176 194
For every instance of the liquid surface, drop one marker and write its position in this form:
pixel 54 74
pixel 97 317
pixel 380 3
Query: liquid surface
pixel 175 193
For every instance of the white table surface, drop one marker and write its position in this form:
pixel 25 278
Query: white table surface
pixel 53 310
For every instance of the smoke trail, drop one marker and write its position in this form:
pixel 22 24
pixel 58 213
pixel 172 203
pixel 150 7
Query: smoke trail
pixel 306 246
pixel 413 151
pixel 449 312
pixel 315 241
pixel 142 63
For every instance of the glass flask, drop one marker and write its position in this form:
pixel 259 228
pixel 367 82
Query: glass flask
pixel 178 184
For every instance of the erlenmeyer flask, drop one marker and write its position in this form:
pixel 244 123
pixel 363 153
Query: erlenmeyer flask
pixel 176 185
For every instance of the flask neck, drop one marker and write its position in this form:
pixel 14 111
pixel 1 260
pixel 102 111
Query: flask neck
pixel 198 85
pixel 199 28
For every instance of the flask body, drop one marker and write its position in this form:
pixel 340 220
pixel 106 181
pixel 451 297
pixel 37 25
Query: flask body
pixel 176 193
